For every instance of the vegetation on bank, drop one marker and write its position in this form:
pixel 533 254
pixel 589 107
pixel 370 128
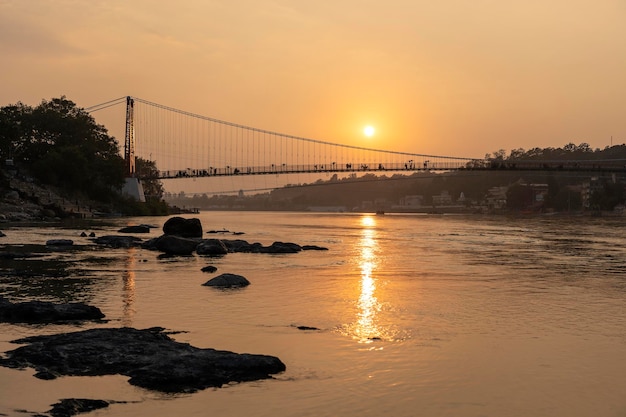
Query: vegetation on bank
pixel 60 145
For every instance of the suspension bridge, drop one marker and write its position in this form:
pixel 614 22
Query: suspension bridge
pixel 188 145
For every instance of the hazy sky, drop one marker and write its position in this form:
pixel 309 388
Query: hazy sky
pixel 448 77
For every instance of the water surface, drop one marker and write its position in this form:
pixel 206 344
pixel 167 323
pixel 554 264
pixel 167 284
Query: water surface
pixel 418 316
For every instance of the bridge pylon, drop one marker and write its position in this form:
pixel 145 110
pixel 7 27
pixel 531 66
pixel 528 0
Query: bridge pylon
pixel 132 187
pixel 129 141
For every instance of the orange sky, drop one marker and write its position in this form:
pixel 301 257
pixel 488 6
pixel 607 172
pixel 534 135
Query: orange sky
pixel 450 77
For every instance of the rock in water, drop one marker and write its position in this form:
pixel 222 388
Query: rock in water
pixel 71 406
pixel 227 281
pixel 46 312
pixel 182 227
pixel 149 357
pixel 59 242
pixel 211 247
pixel 175 245
pixel 135 229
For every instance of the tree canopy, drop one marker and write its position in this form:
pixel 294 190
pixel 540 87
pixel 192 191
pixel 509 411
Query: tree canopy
pixel 62 145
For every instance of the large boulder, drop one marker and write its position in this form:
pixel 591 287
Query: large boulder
pixel 182 227
pixel 175 245
pixel 211 247
pixel 227 281
pixel 46 312
pixel 149 357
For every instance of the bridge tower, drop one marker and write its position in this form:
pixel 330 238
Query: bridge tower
pixel 129 142
pixel 132 187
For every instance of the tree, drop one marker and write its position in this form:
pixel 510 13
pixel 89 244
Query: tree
pixel 149 174
pixel 63 146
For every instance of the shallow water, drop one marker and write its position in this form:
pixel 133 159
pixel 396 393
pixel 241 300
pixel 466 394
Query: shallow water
pixel 418 316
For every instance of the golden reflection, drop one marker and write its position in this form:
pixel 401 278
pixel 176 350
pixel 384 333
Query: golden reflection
pixel 129 288
pixel 366 329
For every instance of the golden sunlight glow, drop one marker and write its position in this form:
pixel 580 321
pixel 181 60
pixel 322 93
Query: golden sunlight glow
pixel 368 221
pixel 129 288
pixel 366 329
pixel 369 131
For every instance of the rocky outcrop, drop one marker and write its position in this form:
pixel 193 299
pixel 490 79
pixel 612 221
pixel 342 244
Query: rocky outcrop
pixel 149 357
pixel 227 281
pixel 182 227
pixel 46 312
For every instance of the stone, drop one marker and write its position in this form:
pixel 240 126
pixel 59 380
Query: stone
pixel 313 247
pixel 227 281
pixel 2 234
pixel 135 229
pixel 282 247
pixel 209 269
pixel 175 245
pixel 46 312
pixel 118 241
pixel 211 247
pixel 182 227
pixel 68 407
pixel 149 357
pixel 59 242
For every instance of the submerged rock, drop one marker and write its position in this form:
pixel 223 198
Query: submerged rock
pixel 182 227
pixel 227 281
pixel 149 357
pixel 118 241
pixel 135 229
pixel 60 242
pixel 46 312
pixel 282 247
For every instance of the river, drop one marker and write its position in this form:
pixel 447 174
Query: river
pixel 418 315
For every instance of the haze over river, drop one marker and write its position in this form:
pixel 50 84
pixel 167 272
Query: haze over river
pixel 417 315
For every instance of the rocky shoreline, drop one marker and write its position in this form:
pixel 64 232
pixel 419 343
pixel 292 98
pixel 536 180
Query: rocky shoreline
pixel 149 357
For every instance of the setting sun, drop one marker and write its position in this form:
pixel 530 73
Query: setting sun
pixel 369 131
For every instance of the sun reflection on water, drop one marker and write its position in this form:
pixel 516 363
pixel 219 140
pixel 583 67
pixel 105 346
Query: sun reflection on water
pixel 366 329
pixel 129 288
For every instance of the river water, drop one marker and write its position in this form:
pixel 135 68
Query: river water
pixel 418 316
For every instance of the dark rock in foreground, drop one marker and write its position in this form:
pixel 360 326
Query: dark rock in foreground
pixel 149 357
pixel 227 281
pixel 182 227
pixel 71 406
pixel 135 229
pixel 46 312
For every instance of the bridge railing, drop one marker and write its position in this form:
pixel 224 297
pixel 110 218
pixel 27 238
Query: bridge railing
pixel 313 168
pixel 614 165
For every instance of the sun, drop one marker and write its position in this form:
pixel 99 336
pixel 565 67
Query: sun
pixel 369 131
